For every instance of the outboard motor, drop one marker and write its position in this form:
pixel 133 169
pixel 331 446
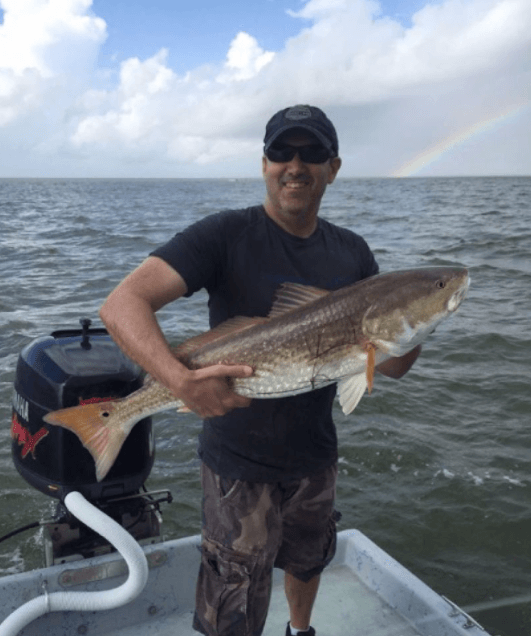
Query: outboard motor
pixel 68 368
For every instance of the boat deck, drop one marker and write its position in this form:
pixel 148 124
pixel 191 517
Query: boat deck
pixel 363 593
pixel 344 606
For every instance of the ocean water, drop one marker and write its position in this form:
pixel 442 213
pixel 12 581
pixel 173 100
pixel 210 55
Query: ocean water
pixel 435 467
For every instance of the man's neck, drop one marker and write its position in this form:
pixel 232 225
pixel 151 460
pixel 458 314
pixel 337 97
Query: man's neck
pixel 302 225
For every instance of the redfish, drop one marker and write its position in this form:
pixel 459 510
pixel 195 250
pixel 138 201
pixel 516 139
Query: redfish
pixel 311 338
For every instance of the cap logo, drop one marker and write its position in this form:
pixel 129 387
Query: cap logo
pixel 298 112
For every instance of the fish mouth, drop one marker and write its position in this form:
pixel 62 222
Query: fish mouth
pixel 457 298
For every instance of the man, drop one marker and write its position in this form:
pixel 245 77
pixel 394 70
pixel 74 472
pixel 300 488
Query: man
pixel 269 467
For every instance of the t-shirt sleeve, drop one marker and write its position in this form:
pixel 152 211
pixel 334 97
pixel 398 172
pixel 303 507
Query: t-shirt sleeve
pixel 366 263
pixel 196 253
pixel 371 266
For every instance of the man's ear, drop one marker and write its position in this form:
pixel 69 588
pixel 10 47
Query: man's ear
pixel 335 164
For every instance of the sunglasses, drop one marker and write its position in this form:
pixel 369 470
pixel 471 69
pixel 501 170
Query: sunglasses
pixel 312 153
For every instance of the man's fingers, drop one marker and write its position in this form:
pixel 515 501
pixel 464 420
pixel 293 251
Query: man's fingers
pixel 239 371
pixel 225 370
pixel 209 393
pixel 242 402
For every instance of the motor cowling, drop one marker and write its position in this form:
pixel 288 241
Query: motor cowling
pixel 68 368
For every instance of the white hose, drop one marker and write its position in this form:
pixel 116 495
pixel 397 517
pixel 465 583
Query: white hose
pixel 88 601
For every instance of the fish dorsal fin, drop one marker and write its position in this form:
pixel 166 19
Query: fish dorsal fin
pixel 350 391
pixel 227 328
pixel 292 296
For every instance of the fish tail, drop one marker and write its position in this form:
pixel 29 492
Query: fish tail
pixel 99 427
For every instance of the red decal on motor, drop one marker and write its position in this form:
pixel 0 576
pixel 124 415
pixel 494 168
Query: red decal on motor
pixel 95 400
pixel 25 438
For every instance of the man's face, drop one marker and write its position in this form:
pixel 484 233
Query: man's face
pixel 294 189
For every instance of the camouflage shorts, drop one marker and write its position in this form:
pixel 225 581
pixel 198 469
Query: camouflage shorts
pixel 249 528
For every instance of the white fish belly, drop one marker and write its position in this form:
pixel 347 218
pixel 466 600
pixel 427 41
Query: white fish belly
pixel 291 379
pixel 409 337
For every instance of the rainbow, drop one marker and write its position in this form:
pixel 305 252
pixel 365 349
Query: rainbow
pixel 429 156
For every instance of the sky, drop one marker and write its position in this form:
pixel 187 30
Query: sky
pixel 165 88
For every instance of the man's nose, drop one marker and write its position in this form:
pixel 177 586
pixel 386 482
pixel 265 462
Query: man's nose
pixel 296 163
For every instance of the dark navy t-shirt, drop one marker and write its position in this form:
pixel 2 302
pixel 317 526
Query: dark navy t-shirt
pixel 241 257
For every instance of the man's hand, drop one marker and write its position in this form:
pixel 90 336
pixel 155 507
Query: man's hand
pixel 208 391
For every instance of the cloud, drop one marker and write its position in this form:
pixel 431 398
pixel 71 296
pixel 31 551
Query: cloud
pixel 188 118
pixel 245 59
pixel 46 46
pixel 131 113
pixel 392 91
pixel 360 56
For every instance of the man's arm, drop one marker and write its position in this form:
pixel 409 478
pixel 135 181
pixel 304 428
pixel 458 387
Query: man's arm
pixel 397 367
pixel 129 315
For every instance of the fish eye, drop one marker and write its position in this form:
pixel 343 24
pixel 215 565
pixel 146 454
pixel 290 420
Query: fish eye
pixel 440 284
pixel 105 414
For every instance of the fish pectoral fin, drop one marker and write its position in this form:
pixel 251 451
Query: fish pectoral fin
pixel 96 429
pixel 350 391
pixel 371 361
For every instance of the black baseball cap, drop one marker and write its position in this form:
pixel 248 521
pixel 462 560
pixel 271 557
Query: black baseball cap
pixel 308 118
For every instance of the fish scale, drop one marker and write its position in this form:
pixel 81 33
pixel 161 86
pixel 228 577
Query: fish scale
pixel 312 338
